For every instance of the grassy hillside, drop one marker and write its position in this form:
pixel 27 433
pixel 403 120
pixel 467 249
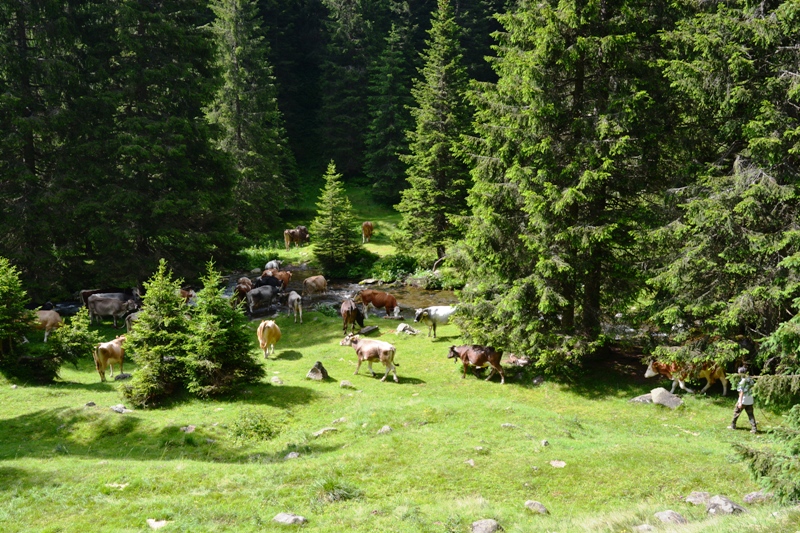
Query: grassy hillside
pixel 67 466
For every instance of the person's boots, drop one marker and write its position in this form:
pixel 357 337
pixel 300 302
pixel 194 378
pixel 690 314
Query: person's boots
pixel 753 428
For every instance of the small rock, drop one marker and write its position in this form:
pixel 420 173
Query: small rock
pixel 120 486
pixel 480 449
pixel 210 441
pixel 119 408
pixel 346 384
pixel 469 462
pixel 256 271
pixel 339 420
pixel 538 380
pixel 698 498
pixel 670 517
pixel 536 507
pixel 188 429
pixel 157 524
pixel 369 281
pixel 663 397
pixel 487 525
pixel 13 386
pixel 757 497
pixel 558 464
pixel 405 328
pixel 317 372
pixel 323 431
pixel 644 398
pixel 121 377
pixel 90 404
pixel 367 330
pixel 292 455
pixel 384 430
pixel 722 505
pixel 508 426
pixel 276 380
pixel 545 443
pixel 643 528
pixel 289 519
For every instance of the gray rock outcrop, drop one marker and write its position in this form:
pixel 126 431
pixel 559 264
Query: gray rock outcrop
pixel 698 498
pixel 487 525
pixel 289 519
pixel 721 505
pixel 662 396
pixel 671 517
pixel 536 507
pixel 317 372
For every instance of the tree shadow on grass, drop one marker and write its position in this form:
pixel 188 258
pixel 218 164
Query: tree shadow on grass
pixel 288 355
pixel 281 396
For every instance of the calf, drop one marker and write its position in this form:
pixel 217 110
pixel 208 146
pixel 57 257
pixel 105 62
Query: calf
pixel 378 299
pixel 366 231
pixel 433 316
pixel 108 353
pixel 679 373
pixel 478 357
pixel 100 307
pixel 295 303
pixel 371 350
pixel 351 315
pixel 48 321
pixel 268 334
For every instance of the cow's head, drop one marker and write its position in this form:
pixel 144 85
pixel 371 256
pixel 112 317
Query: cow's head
pixel 650 371
pixel 348 340
pixel 419 314
pixel 453 354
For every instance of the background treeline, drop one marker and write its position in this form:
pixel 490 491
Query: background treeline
pixel 614 160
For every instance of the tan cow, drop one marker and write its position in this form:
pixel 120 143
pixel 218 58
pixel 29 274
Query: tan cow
pixel 366 231
pixel 314 284
pixel 108 353
pixel 373 350
pixel 48 321
pixel 378 299
pixel 268 334
pixel 679 373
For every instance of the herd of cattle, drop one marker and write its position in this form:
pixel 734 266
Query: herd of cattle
pixel 272 285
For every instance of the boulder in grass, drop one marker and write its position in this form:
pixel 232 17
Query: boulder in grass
pixel 721 505
pixel 644 398
pixel 487 525
pixel 757 497
pixel 317 372
pixel 671 517
pixel 536 507
pixel 289 519
pixel 662 396
pixel 644 528
pixel 698 498
pixel 323 431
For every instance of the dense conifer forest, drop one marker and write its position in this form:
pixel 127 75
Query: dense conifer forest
pixel 577 163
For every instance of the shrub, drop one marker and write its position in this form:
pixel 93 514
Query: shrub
pixel 394 267
pixel 253 426
pixel 69 343
pixel 15 320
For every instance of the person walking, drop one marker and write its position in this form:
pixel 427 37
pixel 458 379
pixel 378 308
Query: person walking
pixel 745 401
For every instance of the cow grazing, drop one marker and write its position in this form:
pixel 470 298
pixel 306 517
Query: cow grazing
pixel 366 231
pixel 186 295
pixel 275 264
pixel 240 292
pixel 314 284
pixel 435 315
pixel 108 353
pixel 351 315
pixel 268 334
pixel 120 294
pixel 372 350
pixel 100 307
pixel 244 280
pixel 48 321
pixel 478 356
pixel 266 279
pixel 261 297
pixel 298 236
pixel 284 276
pixel 679 373
pixel 295 304
pixel 377 299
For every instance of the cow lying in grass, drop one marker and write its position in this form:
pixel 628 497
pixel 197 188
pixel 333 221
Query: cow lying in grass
pixel 679 373
pixel 478 356
pixel 371 350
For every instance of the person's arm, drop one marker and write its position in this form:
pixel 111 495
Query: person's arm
pixel 741 397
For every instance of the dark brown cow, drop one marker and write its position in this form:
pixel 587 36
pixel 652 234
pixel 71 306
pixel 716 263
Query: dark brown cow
pixel 351 315
pixel 366 231
pixel 298 236
pixel 478 357
pixel 240 292
pixel 378 299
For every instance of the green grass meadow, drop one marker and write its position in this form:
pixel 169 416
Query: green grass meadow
pixel 69 467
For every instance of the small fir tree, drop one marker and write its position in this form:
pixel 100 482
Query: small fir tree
pixel 158 342
pixel 335 237
pixel 220 341
pixel 73 341
pixel 15 320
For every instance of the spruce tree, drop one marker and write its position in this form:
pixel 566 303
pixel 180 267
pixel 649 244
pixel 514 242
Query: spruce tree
pixel 568 156
pixel 389 102
pixel 336 240
pixel 158 343
pixel 246 109
pixel 219 347
pixel 437 177
pixel 15 320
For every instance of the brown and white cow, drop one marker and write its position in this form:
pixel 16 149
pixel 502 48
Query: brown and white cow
pixel 48 321
pixel 284 276
pixel 477 357
pixel 373 350
pixel 679 373
pixel 378 299
pixel 268 334
pixel 108 353
pixel 298 236
pixel 366 231
pixel 315 284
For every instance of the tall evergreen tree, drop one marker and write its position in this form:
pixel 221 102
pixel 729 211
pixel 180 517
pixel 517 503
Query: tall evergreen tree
pixel 246 108
pixel 437 178
pixel 733 250
pixel 336 240
pixel 389 103
pixel 567 152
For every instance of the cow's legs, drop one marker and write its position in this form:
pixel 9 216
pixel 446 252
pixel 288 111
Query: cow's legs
pixel 369 363
pixel 497 370
pixel 724 381
pixel 46 332
pixel 301 316
pixel 682 383
pixel 357 367
pixel 434 330
pixel 390 368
